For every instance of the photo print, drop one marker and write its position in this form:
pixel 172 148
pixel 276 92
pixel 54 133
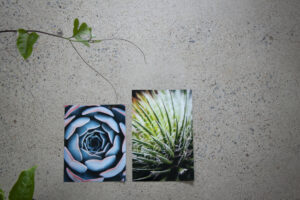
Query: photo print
pixel 94 143
pixel 162 135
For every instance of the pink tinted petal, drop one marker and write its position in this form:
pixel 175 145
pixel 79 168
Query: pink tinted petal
pixel 98 109
pixel 74 164
pixel 73 147
pixel 109 121
pixel 94 180
pixel 123 128
pixel 109 132
pixel 116 147
pixel 124 146
pixel 89 126
pixel 116 170
pixel 122 112
pixel 72 109
pixel 73 176
pixel 100 165
pixel 76 178
pixel 75 124
pixel 68 120
pixel 86 155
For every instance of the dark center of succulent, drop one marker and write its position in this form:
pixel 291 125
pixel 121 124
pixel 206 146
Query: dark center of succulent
pixel 94 141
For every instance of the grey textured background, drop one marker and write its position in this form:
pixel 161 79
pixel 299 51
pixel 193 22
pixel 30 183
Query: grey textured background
pixel 240 57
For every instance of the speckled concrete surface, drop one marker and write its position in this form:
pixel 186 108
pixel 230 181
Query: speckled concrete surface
pixel 240 57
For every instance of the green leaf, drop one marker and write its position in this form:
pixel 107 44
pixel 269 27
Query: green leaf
pixel 2 195
pixel 75 28
pixel 143 143
pixel 82 34
pixel 167 114
pixel 25 42
pixel 164 134
pixel 164 146
pixel 24 187
pixel 143 178
pixel 164 159
pixel 150 151
pixel 137 154
pixel 143 127
pixel 145 114
pixel 160 172
pixel 145 160
pixel 146 169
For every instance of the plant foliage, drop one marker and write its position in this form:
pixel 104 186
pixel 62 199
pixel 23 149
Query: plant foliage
pixel 23 189
pixel 2 195
pixel 25 42
pixel 81 33
pixel 163 136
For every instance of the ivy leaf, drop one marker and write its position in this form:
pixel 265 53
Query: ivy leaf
pixel 76 24
pixel 25 42
pixel 24 187
pixel 82 34
pixel 2 196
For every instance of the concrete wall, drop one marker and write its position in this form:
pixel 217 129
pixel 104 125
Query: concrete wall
pixel 240 57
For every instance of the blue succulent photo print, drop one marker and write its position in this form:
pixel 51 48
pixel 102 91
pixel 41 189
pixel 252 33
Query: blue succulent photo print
pixel 94 143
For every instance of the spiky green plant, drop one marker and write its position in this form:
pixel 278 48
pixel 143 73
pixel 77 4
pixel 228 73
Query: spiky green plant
pixel 162 135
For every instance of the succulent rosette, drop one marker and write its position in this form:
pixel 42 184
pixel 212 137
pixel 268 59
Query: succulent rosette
pixel 95 144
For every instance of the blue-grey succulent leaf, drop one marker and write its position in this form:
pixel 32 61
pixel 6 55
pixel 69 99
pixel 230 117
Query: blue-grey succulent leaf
pixel 77 178
pixel 119 114
pixel 74 164
pixel 73 147
pixel 87 156
pixel 75 124
pixel 69 119
pixel 109 131
pixel 73 176
pixel 89 126
pixel 72 110
pixel 95 180
pixel 116 170
pixel 109 121
pixel 119 110
pixel 107 146
pixel 100 109
pixel 104 140
pixel 100 165
pixel 123 130
pixel 124 146
pixel 115 148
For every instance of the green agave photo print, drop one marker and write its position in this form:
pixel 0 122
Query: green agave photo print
pixel 162 135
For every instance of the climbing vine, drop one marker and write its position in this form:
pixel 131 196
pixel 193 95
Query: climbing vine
pixel 82 33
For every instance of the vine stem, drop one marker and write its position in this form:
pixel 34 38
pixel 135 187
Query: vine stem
pixel 81 57
pixel 96 71
pixel 89 41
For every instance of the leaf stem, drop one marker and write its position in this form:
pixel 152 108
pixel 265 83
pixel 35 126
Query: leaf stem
pixel 89 41
pixel 125 40
pixel 37 31
pixel 96 71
